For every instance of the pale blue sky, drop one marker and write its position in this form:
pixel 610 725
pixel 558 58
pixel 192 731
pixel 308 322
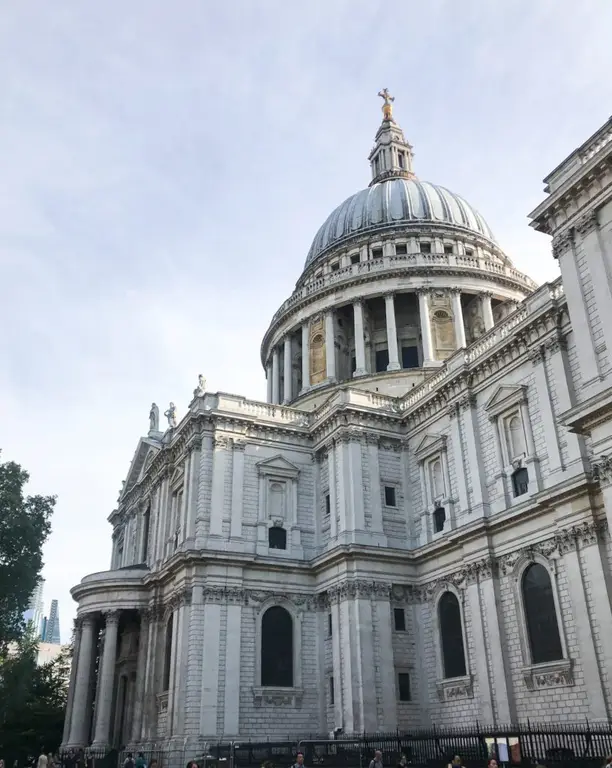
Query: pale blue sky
pixel 164 167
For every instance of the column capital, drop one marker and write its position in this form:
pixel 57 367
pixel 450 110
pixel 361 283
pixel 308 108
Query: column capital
pixel 423 290
pixel 455 290
pixel 586 223
pixel 389 294
pixel 87 620
pixel 111 617
pixel 486 294
pixel 562 243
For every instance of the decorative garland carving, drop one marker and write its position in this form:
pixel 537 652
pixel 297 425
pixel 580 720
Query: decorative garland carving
pixel 563 242
pixel 602 469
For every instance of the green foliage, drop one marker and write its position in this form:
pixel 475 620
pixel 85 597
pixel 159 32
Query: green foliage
pixel 32 701
pixel 24 528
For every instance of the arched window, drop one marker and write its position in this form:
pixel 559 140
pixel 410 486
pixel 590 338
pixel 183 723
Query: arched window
pixel 277 648
pixel 277 538
pixel 451 636
pixel 516 438
pixel 541 615
pixel 168 653
pixel 146 524
pixel 520 481
pixel 437 479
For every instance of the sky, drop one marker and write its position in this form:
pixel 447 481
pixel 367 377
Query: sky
pixel 165 166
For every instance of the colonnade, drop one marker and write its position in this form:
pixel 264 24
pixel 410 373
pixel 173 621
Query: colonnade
pixel 285 346
pixel 125 718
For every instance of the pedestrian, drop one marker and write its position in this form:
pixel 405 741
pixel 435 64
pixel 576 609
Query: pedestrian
pixel 42 760
pixel 377 762
pixel 140 761
pixel 192 764
pixel 403 762
pixel 455 762
pixel 127 763
pixel 153 763
pixel 608 761
pixel 492 763
pixel 299 760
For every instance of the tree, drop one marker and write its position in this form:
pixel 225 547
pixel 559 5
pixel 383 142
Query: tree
pixel 32 701
pixel 25 524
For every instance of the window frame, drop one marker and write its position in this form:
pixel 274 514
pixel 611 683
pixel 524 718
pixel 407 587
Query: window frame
pixel 403 671
pixel 432 448
pixel 391 487
pixel 451 687
pixel 536 675
pixel 263 695
pixel 403 614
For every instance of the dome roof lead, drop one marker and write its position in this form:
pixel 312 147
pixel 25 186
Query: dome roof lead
pixel 392 155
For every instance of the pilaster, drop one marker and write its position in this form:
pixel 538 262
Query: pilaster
pixel 426 338
pixel 275 376
pixel 221 455
pixel 487 311
pixel 210 677
pixel 460 475
pixel 287 373
pixel 231 724
pixel 330 345
pixel 474 451
pixel 237 489
pixel 360 359
pixel 305 356
pixel 458 318
pixel 545 407
pixel 394 364
pixel 374 480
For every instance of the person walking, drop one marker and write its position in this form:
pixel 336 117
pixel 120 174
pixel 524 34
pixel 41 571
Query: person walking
pixel 299 760
pixel 43 760
pixel 140 761
pixel 377 762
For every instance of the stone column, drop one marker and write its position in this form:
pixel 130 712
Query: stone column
pixel 107 682
pixel 237 489
pixel 269 381
pixel 394 363
pixel 73 675
pixel 331 479
pixel 428 356
pixel 458 318
pixel 221 455
pixel 79 726
pixel 275 376
pixel 287 370
pixel 330 345
pixel 141 670
pixel 360 362
pixel 305 356
pixel 487 310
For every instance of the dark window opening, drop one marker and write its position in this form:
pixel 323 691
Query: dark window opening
pixel 400 619
pixel 277 537
pixel 329 625
pixel 439 518
pixel 390 496
pixel 327 504
pixel 353 364
pixel 401 249
pixel 318 275
pixel 425 247
pixel 403 680
pixel 540 615
pixel 520 481
pixel 355 258
pixel 332 698
pixel 400 159
pixel 382 360
pixel 451 636
pixel 168 654
pixel 277 648
pixel 469 252
pixel 335 266
pixel 146 523
pixel 377 253
pixel 448 249
pixel 410 357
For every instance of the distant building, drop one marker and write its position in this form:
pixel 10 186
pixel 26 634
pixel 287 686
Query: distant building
pixel 34 614
pixel 50 630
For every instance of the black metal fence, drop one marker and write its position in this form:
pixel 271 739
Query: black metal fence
pixel 554 746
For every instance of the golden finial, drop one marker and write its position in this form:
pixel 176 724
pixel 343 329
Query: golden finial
pixel 387 107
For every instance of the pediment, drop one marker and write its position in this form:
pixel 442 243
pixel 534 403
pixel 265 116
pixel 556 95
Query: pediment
pixel 277 465
pixel 143 456
pixel 430 443
pixel 505 397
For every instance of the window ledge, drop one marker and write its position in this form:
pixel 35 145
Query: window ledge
pixel 548 675
pixel 277 697
pixel 455 688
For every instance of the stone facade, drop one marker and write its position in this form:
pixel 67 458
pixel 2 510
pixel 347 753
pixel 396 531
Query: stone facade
pixel 388 549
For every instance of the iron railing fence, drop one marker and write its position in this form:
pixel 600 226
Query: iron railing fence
pixel 578 745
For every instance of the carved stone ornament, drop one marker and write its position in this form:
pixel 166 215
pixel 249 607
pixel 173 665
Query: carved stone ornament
pixel 277 697
pixel 359 588
pixel 561 243
pixel 602 469
pixel 556 344
pixel 455 688
pixel 223 595
pixel 586 223
pixel 550 675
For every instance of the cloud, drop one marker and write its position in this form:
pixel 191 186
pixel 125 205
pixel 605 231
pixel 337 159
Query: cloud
pixel 164 170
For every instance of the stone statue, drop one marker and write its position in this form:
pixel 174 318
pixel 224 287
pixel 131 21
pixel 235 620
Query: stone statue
pixel 154 418
pixel 170 414
pixel 201 388
pixel 387 107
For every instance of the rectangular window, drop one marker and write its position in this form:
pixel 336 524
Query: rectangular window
pixel 448 249
pixel 332 699
pixel 401 249
pixel 377 253
pixel 327 504
pixel 353 364
pixel 390 496
pixel 400 619
pixel 403 686
pixel 410 357
pixel 355 258
pixel 329 625
pixel 425 247
pixel 335 266
pixel 382 360
pixel 469 252
pixel 400 159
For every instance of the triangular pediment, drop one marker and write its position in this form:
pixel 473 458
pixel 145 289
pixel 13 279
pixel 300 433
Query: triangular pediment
pixel 143 456
pixel 505 396
pixel 278 465
pixel 430 443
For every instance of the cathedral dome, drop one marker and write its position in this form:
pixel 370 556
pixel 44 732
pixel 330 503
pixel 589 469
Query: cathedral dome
pixel 392 202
